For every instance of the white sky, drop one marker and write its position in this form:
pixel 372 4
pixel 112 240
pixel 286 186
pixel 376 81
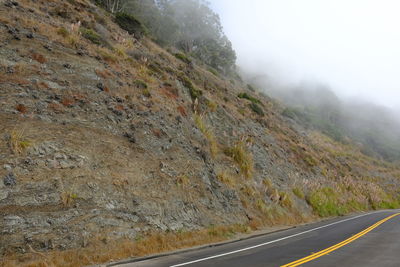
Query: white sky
pixel 351 45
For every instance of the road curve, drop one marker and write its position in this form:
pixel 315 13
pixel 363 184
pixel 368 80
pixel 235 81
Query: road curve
pixel 371 239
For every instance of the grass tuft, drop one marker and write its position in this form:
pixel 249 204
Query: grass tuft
pixel 18 142
pixel 242 157
pixel 208 133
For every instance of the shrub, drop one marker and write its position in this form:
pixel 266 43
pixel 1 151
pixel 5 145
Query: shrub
pixel 285 200
pixel 256 109
pixel 182 180
pixel 146 93
pixel 298 192
pixel 325 202
pixel 63 32
pixel 249 97
pixel 215 72
pixel 140 84
pixel 131 24
pixel 183 58
pixel 105 55
pixel 119 50
pixel 194 92
pixel 261 205
pixel 242 157
pixel 212 105
pixel 92 36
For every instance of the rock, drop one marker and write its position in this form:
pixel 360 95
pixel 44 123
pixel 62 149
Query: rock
pixel 10 180
pixel 3 194
pixel 13 220
pixel 7 167
pixel 100 86
pixel 48 48
pixel 66 164
pixel 131 137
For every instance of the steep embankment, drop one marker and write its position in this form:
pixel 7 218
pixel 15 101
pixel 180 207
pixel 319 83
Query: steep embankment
pixel 109 138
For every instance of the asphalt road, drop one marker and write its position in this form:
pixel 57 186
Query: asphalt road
pixel 371 239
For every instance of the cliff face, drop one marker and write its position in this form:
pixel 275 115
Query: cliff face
pixel 119 138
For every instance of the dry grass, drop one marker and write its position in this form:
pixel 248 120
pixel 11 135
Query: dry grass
pixel 98 252
pixel 208 133
pixel 285 200
pixel 182 111
pixel 39 58
pixel 21 108
pixel 242 157
pixel 226 178
pixel 18 141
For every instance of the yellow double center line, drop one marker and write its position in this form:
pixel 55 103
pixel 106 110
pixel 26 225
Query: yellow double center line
pixel 339 245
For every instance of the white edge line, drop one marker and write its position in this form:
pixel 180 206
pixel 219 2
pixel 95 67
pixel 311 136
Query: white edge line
pixel 270 242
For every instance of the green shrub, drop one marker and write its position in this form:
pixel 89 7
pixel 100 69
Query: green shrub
pixel 131 24
pixel 215 72
pixel 257 109
pixel 249 97
pixel 146 93
pixel 325 202
pixel 298 192
pixel 183 58
pixel 92 36
pixel 194 92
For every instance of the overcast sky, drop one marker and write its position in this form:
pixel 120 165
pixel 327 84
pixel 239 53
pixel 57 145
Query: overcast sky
pixel 351 45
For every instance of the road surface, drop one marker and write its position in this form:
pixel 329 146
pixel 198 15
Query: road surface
pixel 371 239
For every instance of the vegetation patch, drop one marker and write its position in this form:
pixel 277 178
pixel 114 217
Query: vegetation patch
pixel 207 132
pixel 183 58
pixel 92 36
pixel 18 141
pixel 212 106
pixel 256 109
pixel 242 157
pixel 298 192
pixel 249 97
pixel 131 24
pixel 325 202
pixel 285 200
pixel 194 92
pixel 63 32
pixel 226 178
pixel 140 84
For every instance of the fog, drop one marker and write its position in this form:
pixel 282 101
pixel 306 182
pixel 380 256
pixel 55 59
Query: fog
pixel 352 46
pixel 335 64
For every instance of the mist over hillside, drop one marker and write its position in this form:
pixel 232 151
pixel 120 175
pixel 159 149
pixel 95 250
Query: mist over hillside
pixel 374 128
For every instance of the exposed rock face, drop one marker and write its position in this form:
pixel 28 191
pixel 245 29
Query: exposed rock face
pixel 87 150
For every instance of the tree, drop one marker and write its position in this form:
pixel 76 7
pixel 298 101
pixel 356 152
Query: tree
pixel 113 6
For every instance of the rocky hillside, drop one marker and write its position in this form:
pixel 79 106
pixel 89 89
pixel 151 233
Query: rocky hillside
pixel 112 145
